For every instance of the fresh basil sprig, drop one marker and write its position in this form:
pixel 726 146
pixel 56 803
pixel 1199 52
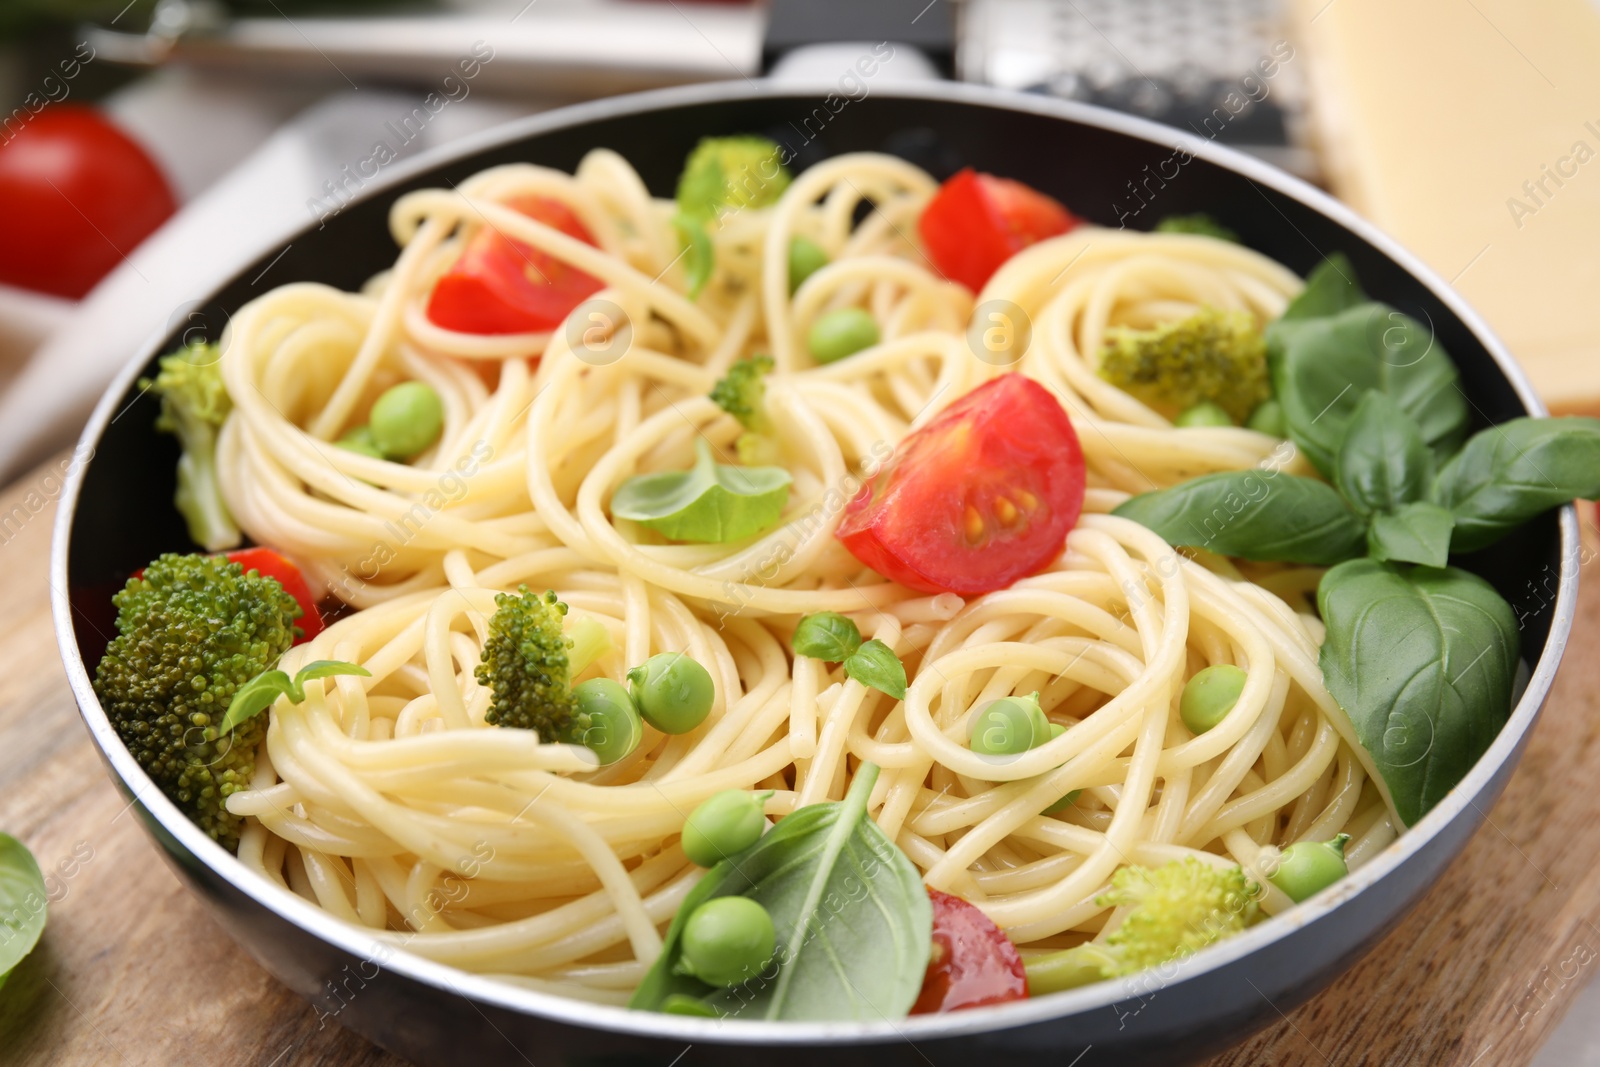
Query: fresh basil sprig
pixel 1255 514
pixel 1422 661
pixel 1509 473
pixel 1322 367
pixel 854 922
pixel 24 903
pixel 709 504
pixel 262 691
pixel 829 636
pixel 1420 658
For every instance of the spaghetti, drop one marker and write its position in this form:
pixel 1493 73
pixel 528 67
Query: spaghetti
pixel 389 802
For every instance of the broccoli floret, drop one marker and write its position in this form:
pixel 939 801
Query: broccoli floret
pixel 1202 224
pixel 529 661
pixel 190 631
pixel 194 405
pixel 731 172
pixel 1212 355
pixel 743 393
pixel 1176 909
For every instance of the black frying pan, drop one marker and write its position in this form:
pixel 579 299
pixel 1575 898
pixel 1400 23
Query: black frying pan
pixel 1112 169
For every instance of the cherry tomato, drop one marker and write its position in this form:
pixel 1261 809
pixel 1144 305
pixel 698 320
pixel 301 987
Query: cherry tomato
pixel 504 286
pixel 272 565
pixel 78 196
pixel 975 222
pixel 979 497
pixel 973 963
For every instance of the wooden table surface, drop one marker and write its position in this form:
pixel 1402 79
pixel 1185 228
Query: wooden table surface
pixel 131 971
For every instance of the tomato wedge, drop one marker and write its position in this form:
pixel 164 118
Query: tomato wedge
pixel 982 495
pixel 975 222
pixel 504 286
pixel 973 963
pixel 272 565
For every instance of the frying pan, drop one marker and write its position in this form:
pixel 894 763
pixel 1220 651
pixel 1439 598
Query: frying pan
pixel 1110 168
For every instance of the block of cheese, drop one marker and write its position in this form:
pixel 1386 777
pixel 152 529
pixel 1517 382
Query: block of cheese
pixel 1470 131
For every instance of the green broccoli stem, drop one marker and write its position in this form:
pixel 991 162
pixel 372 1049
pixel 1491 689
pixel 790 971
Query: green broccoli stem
pixel 194 405
pixel 590 640
pixel 1070 968
pixel 199 494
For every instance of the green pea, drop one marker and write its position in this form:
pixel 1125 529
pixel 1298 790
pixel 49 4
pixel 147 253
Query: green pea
pixel 359 440
pixel 725 823
pixel 1010 725
pixel 673 692
pixel 605 722
pixel 1308 867
pixel 1267 418
pixel 1204 413
pixel 727 940
pixel 806 257
pixel 406 420
pixel 1210 695
pixel 842 333
pixel 1068 969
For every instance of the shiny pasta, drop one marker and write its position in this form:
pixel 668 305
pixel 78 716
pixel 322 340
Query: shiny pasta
pixel 388 800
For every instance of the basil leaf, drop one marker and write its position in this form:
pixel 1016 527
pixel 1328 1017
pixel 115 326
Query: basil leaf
pixel 1421 660
pixel 827 635
pixel 1330 289
pixel 1383 461
pixel 1509 473
pixel 1253 514
pixel 262 691
pixel 710 504
pixel 1321 369
pixel 326 668
pixel 874 664
pixel 256 696
pixel 854 921
pixel 699 255
pixel 1418 532
pixel 23 903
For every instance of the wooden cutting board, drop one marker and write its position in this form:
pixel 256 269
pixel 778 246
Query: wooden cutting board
pixel 132 971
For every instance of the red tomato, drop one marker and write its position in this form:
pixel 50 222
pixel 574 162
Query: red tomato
pixel 78 196
pixel 504 286
pixel 272 565
pixel 975 222
pixel 973 963
pixel 979 497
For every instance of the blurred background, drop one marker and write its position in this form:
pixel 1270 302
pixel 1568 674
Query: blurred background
pixel 150 149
